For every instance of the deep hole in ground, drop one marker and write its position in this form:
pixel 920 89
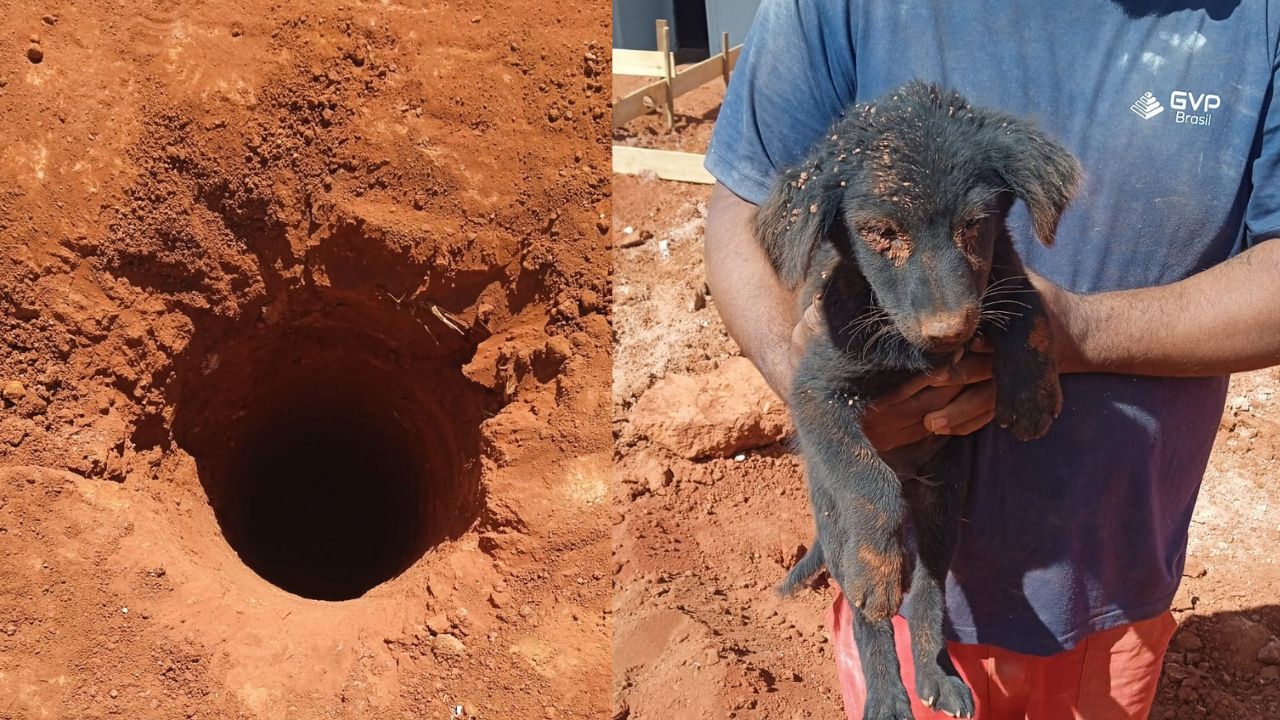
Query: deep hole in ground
pixel 336 445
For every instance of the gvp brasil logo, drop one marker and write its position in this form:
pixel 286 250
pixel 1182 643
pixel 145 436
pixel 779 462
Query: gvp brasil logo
pixel 1147 106
pixel 1188 108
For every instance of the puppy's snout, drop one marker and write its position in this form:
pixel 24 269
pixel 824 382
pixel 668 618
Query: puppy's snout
pixel 948 330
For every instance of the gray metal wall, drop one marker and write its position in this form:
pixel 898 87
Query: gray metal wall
pixel 633 22
pixel 732 16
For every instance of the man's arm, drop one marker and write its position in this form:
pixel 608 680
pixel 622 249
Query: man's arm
pixel 1225 319
pixel 758 311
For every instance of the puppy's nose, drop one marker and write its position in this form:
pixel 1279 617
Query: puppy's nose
pixel 948 329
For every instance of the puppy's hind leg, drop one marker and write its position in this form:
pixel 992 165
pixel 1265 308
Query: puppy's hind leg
pixel 886 697
pixel 936 504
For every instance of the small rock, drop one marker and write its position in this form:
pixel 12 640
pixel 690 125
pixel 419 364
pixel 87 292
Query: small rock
pixel 439 624
pixel 461 619
pixel 1194 568
pixel 716 414
pixel 589 302
pixel 13 391
pixel 1187 640
pixel 10 629
pixel 697 301
pixel 35 54
pixel 447 645
pixel 1183 599
pixel 1270 653
pixel 658 477
pixel 499 599
pixel 559 349
pixel 792 556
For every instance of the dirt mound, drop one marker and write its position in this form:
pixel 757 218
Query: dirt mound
pixel 303 306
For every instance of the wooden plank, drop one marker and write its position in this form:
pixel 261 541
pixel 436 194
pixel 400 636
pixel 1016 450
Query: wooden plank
pixel 666 164
pixel 640 63
pixel 664 47
pixel 726 60
pixel 633 105
pixel 703 72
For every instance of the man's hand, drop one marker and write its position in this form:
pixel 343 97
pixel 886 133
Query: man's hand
pixel 956 400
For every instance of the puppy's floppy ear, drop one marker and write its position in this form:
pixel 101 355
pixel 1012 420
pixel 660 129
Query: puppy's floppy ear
pixel 1038 170
pixel 803 210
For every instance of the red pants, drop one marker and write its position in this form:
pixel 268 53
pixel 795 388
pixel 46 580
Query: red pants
pixel 1110 675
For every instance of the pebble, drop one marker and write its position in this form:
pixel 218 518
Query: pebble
pixel 1188 640
pixel 448 646
pixel 1270 653
pixel 35 54
pixel 589 302
pixel 697 301
pixel 13 391
pixel 439 624
pixel 558 348
pixel 659 477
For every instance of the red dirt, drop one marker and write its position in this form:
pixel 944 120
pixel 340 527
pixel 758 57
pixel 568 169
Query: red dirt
pixel 237 230
pixel 700 545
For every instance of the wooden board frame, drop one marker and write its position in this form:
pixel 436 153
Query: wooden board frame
pixel 666 164
pixel 661 94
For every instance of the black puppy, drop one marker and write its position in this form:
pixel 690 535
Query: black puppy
pixel 897 221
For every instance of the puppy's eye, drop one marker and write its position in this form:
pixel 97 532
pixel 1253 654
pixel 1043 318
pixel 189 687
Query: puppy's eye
pixel 887 240
pixel 966 239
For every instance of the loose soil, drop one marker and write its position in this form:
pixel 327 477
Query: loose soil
pixel 700 545
pixel 304 362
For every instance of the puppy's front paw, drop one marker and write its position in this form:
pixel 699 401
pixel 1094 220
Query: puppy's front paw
pixel 1029 409
pixel 870 574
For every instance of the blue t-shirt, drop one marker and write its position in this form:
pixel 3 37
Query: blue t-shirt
pixel 1170 113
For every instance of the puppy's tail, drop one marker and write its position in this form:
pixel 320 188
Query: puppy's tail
pixel 808 566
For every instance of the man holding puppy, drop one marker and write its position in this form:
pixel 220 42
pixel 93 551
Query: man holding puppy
pixel 1160 285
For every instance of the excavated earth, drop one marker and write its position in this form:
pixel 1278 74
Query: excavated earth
pixel 711 507
pixel 304 357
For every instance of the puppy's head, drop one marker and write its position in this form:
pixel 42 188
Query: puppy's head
pixel 914 188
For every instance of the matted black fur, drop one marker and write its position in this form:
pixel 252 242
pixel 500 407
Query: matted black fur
pixel 896 220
